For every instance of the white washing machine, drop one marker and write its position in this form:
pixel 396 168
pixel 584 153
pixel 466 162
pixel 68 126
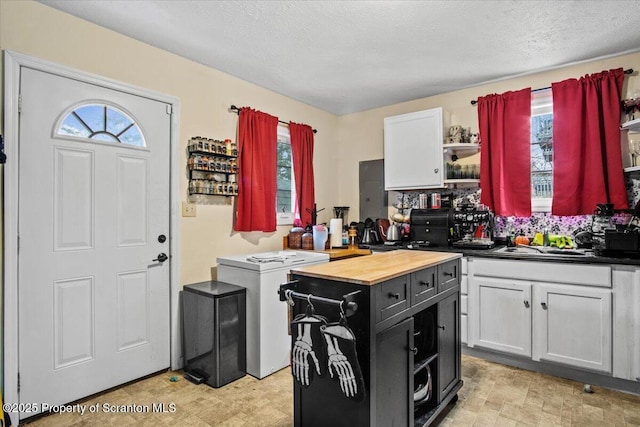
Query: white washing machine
pixel 268 339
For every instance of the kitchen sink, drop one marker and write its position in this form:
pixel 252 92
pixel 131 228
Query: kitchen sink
pixel 543 250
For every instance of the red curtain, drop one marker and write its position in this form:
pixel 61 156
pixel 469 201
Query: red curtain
pixel 505 169
pixel 257 146
pixel 587 160
pixel 302 152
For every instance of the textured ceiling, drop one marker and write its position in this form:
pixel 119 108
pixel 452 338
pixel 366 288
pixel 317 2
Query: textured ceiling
pixel 349 56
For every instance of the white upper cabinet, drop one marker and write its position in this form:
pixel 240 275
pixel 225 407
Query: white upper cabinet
pixel 413 150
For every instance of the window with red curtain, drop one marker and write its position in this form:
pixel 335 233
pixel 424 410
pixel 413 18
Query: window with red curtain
pixel 257 139
pixel 587 155
pixel 504 121
pixel 302 152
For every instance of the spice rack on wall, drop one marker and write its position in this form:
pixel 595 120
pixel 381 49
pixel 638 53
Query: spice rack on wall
pixel 213 167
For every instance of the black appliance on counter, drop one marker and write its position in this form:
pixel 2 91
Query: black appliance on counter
pixel 431 227
pixel 472 228
pixel 615 240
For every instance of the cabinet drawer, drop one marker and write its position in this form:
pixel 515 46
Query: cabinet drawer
pixel 392 298
pixel 423 285
pixel 448 274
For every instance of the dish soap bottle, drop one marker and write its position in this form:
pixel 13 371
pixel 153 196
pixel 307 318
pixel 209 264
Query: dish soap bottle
pixel 511 233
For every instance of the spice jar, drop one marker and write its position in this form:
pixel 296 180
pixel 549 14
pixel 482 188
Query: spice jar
pixel 295 237
pixel 307 239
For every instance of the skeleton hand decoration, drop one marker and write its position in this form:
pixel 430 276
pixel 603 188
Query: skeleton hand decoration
pixel 340 363
pixel 302 349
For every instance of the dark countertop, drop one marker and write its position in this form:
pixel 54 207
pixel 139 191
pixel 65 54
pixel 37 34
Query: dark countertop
pixel 495 253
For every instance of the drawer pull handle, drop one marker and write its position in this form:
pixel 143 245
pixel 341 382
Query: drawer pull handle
pixel 441 327
pixel 423 283
pixel 526 304
pixel 392 295
pixel 414 350
pixel 544 305
pixel 447 273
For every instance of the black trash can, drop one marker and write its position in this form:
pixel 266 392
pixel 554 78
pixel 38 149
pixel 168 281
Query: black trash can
pixel 214 332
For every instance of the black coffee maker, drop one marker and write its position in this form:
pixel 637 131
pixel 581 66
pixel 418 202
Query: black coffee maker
pixel 473 228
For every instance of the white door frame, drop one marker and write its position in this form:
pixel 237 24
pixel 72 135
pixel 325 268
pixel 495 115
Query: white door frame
pixel 13 61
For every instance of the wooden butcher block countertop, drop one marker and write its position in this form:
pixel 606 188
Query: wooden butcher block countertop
pixel 377 268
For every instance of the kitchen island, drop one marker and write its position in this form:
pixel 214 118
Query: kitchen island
pixel 387 349
pixel 586 330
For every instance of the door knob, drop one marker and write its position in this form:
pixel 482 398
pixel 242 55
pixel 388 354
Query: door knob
pixel 544 305
pixel 162 257
pixel 526 304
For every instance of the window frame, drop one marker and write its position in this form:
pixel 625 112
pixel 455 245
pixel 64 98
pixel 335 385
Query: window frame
pixel 286 218
pixel 541 104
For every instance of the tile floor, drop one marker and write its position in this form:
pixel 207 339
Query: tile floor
pixel 493 395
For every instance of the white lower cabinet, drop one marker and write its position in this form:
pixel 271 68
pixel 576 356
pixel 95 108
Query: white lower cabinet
pixel 626 322
pixel 503 315
pixel 514 308
pixel 464 301
pixel 572 325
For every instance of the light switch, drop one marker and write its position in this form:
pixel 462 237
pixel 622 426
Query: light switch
pixel 188 209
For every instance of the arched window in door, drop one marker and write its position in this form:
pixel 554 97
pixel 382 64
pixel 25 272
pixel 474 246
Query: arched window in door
pixel 101 122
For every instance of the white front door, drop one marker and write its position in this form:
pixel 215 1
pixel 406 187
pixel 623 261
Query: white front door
pixel 93 207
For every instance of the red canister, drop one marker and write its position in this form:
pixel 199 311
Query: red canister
pixel 436 201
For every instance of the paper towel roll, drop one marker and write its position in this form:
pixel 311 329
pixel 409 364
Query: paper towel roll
pixel 335 228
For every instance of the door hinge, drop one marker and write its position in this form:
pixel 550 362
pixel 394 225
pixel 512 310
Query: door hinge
pixel 20 103
pixel 169 109
pixel 18 382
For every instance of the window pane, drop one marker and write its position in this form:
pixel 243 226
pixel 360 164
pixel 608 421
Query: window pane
pixel 116 121
pixel 73 127
pixel 132 137
pixel 284 201
pixel 541 155
pixel 93 116
pixel 103 136
pixel 283 178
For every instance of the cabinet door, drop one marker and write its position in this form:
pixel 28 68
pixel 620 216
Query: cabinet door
pixel 413 150
pixel 572 325
pixel 626 322
pixel 448 344
pixel 501 315
pixel 394 375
